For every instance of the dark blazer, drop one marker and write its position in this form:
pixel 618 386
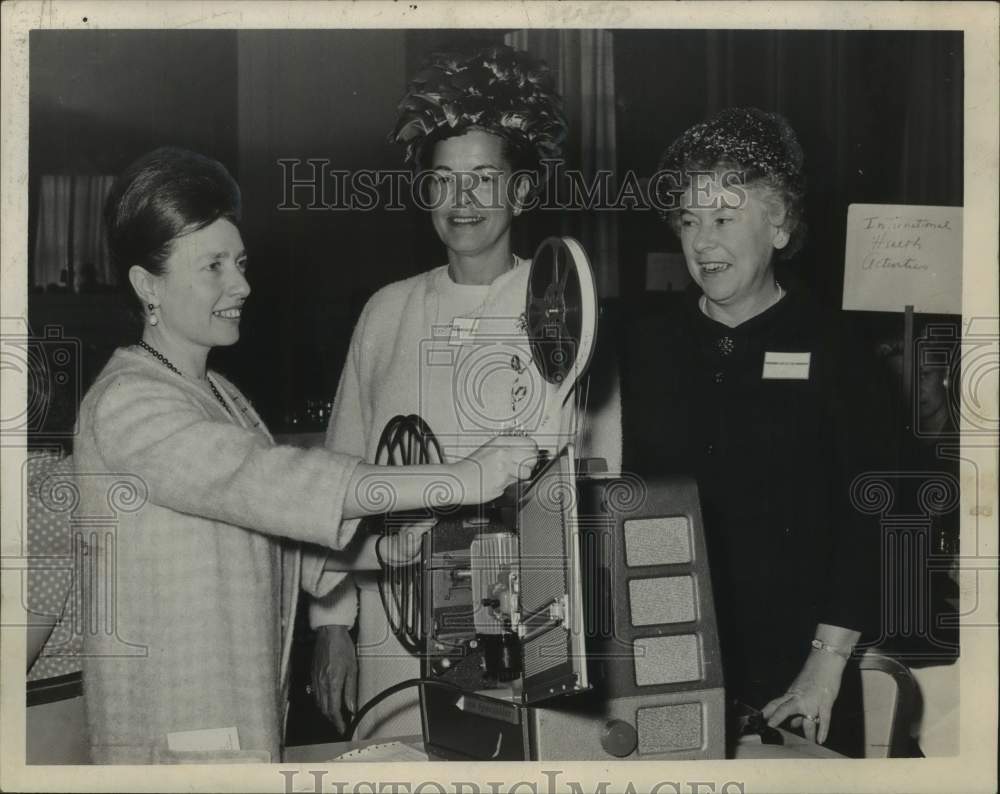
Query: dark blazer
pixel 774 459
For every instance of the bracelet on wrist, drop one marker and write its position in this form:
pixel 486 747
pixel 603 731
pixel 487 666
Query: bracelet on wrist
pixel 844 654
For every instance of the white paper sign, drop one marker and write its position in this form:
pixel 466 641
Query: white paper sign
pixel 899 255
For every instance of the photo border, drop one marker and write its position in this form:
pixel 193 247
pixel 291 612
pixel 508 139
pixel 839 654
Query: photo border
pixel 974 769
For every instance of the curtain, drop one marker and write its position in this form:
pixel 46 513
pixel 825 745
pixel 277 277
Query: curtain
pixel 52 239
pixel 69 209
pixel 582 63
pixel 932 146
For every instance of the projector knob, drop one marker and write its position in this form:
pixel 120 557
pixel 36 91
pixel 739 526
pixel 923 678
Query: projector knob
pixel 618 738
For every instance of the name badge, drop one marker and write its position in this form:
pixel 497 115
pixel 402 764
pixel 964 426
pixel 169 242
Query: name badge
pixel 463 329
pixel 786 366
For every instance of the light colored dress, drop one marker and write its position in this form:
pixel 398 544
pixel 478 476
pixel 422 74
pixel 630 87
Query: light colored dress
pixel 408 355
pixel 190 519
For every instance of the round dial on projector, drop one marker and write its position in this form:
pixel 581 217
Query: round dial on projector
pixel 618 738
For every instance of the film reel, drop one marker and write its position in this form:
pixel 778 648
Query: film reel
pixel 561 317
pixel 561 310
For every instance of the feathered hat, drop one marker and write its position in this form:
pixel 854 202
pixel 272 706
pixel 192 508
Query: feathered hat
pixel 496 88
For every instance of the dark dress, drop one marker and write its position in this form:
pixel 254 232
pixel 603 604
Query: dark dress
pixel 773 459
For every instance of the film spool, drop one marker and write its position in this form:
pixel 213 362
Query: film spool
pixel 561 311
pixel 561 317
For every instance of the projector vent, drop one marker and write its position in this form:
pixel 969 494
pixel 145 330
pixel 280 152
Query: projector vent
pixel 667 660
pixel 666 729
pixel 657 541
pixel 667 599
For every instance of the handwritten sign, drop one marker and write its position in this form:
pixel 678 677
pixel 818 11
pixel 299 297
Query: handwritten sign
pixel 899 255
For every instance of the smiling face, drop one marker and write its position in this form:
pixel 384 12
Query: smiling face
pixel 729 237
pixel 469 195
pixel 200 295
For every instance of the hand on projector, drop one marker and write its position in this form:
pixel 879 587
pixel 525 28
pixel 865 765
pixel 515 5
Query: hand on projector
pixel 402 547
pixel 497 464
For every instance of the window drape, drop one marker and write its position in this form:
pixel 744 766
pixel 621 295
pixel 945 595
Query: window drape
pixel 582 63
pixel 70 249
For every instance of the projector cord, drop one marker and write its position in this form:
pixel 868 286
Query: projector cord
pixel 385 693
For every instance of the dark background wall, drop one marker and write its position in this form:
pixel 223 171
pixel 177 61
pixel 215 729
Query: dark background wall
pixel 306 95
pixel 879 115
pixel 97 101
pixel 99 98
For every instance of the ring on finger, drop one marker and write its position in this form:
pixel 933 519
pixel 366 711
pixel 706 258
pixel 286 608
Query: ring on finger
pixel 812 718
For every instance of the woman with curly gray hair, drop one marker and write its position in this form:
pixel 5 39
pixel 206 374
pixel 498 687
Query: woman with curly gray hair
pixel 751 388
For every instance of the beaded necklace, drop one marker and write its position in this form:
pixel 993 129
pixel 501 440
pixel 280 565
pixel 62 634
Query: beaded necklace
pixel 703 302
pixel 166 362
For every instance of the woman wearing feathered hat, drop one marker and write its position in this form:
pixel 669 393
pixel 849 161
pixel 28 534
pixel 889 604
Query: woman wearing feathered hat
pixel 475 124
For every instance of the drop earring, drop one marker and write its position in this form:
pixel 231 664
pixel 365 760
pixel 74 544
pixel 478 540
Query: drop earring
pixel 153 319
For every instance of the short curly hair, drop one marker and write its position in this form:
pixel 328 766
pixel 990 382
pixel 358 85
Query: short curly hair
pixel 493 88
pixel 759 146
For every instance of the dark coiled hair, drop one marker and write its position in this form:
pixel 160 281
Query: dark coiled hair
pixel 165 194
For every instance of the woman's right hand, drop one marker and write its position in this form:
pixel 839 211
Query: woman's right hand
pixel 497 464
pixel 402 547
pixel 334 681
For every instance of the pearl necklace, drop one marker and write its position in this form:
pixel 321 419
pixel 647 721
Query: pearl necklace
pixel 166 362
pixel 703 302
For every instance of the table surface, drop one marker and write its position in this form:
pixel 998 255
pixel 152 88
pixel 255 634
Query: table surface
pixel 794 747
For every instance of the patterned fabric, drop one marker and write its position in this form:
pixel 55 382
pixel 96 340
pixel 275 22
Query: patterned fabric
pixel 52 588
pixel 191 517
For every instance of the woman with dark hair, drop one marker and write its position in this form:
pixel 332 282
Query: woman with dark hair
pixel 750 387
pixel 196 568
pixel 476 124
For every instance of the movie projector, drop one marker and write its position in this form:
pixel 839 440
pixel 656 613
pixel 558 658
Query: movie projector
pixel 572 619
